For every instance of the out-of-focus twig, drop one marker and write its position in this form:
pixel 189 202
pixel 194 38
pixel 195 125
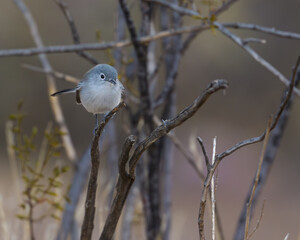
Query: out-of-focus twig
pixel 78 183
pixel 223 7
pixel 254 55
pixel 98 46
pixel 55 105
pixel 188 156
pixel 263 29
pixel 56 74
pixel 258 221
pixel 76 39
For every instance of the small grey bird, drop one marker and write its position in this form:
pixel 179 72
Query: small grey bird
pixel 99 91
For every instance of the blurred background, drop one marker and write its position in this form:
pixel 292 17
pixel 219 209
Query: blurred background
pixel 254 94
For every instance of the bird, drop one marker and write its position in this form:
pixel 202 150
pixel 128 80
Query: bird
pixel 99 91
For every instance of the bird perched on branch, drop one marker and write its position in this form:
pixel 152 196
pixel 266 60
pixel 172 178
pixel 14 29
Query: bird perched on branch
pixel 99 91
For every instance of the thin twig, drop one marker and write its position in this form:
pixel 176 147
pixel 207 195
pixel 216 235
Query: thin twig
pixel 246 142
pixel 204 153
pixel 188 156
pixel 55 105
pixel 258 221
pixel 56 74
pixel 263 29
pixel 274 142
pixel 78 185
pixel 176 8
pixel 212 192
pixel 89 214
pixel 249 204
pixel 287 236
pixel 255 55
pixel 223 7
pixel 275 119
pixel 76 39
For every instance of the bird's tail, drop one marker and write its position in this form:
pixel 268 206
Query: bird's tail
pixel 69 90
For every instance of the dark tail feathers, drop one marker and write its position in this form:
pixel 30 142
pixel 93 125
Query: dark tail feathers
pixel 64 92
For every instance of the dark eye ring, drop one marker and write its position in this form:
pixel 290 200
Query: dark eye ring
pixel 102 76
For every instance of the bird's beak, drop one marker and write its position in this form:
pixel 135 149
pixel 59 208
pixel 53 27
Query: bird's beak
pixel 113 81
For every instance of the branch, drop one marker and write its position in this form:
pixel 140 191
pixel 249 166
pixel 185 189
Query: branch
pixel 98 46
pixel 188 156
pixel 249 204
pixel 267 30
pixel 212 193
pixel 176 8
pixel 124 184
pixel 58 75
pixel 168 125
pixel 54 102
pixel 219 157
pixel 76 39
pixel 223 7
pixel 89 214
pixel 254 54
pixel 77 187
pixel 204 153
pixel 274 142
pixel 274 123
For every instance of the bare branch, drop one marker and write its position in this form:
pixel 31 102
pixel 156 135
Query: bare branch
pixel 204 153
pixel 274 142
pixel 98 46
pixel 89 214
pixel 275 120
pixel 249 204
pixel 223 7
pixel 55 105
pixel 78 183
pixel 267 30
pixel 219 157
pixel 168 125
pixel 286 236
pixel 255 55
pixel 184 152
pixel 254 40
pixel 212 193
pixel 259 220
pixel 123 187
pixel 58 75
pixel 64 7
pixel 176 8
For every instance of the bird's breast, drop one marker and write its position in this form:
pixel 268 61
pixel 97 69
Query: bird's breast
pixel 100 98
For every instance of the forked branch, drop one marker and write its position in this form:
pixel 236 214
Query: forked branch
pixel 88 221
pixel 125 179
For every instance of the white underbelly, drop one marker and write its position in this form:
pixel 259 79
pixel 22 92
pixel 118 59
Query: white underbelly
pixel 100 99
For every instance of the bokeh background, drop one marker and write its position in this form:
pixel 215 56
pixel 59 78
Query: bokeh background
pixel 241 113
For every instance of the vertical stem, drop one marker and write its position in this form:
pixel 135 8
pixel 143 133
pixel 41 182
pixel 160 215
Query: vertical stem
pixel 213 201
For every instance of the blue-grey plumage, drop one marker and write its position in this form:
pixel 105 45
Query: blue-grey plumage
pixel 99 91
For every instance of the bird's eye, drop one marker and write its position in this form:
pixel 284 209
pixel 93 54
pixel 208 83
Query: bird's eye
pixel 102 76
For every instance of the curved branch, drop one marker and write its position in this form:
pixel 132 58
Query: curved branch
pixel 124 184
pixel 89 214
